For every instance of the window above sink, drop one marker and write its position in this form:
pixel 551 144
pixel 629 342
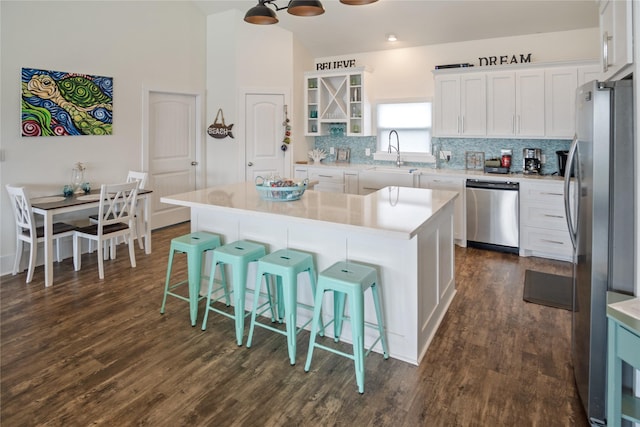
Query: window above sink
pixel 412 120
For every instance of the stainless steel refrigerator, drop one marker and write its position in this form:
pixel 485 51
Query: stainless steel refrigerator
pixel 600 216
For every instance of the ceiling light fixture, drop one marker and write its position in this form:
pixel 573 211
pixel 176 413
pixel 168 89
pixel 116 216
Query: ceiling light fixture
pixel 263 15
pixel 392 37
pixel 357 2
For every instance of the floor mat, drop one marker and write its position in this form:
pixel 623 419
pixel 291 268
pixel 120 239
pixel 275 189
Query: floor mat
pixel 548 289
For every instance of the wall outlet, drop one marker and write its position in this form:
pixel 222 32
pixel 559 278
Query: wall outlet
pixel 445 155
pixel 543 159
pixel 332 150
pixel 367 152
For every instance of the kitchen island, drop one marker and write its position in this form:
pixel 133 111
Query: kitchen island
pixel 407 233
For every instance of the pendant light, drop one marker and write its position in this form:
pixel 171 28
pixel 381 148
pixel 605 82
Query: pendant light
pixel 261 14
pixel 305 7
pixel 357 2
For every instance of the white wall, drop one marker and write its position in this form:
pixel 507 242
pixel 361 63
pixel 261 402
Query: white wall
pixel 407 73
pixel 241 57
pixel 141 44
pixel 300 145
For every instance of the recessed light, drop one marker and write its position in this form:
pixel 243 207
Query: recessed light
pixel 391 37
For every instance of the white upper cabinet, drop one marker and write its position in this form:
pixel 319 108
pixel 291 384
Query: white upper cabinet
pixel 560 104
pixel 616 32
pixel 461 101
pixel 473 105
pixel 532 102
pixel 589 73
pixel 501 105
pixel 516 103
pixel 447 105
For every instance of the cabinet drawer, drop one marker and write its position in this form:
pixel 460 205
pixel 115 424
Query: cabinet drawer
pixel 547 193
pixel 329 187
pixel 547 241
pixel 327 176
pixel 300 173
pixel 535 215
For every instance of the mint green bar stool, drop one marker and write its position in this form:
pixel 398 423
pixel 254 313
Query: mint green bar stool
pixel 349 280
pixel 285 265
pixel 237 255
pixel 194 245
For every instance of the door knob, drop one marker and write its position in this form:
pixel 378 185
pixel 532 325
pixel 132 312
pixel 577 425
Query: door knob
pixel 250 164
pixel 194 163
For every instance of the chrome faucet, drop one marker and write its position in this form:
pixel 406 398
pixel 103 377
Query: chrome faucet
pixel 397 147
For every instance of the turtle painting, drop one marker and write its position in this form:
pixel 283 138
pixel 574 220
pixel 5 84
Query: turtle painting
pixel 58 103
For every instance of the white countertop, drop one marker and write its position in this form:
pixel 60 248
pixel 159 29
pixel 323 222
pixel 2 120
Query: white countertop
pixel 397 212
pixel 461 173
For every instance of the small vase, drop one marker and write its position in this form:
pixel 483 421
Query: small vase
pixel 77 178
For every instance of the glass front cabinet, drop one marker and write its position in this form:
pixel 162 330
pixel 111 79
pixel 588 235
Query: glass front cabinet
pixel 337 103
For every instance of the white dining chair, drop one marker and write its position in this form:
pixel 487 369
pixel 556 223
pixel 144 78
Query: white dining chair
pixel 116 216
pixel 27 231
pixel 139 223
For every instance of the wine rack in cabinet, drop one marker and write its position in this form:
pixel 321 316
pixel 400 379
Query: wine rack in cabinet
pixel 337 98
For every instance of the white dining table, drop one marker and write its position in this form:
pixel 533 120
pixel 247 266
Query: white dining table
pixel 51 206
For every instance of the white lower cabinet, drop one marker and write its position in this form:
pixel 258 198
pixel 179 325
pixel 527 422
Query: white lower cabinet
pixel 351 185
pixel 300 173
pixel 451 184
pixel 329 180
pixel 322 178
pixel 370 181
pixel 543 227
pixel 543 224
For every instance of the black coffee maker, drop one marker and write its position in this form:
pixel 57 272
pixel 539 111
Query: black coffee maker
pixel 531 160
pixel 562 162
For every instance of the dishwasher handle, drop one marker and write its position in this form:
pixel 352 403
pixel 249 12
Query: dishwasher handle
pixel 493 185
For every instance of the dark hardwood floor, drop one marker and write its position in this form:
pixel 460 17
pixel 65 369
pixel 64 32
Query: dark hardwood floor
pixel 89 352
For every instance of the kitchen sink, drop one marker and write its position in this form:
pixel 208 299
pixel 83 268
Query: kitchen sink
pixel 374 179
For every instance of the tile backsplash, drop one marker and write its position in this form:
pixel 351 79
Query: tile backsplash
pixel 457 146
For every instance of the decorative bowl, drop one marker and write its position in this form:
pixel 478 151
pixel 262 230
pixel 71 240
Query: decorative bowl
pixel 280 190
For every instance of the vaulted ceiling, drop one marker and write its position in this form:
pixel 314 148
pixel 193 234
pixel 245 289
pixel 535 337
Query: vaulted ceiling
pixel 346 29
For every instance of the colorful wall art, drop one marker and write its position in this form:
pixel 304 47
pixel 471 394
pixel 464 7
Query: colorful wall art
pixel 56 103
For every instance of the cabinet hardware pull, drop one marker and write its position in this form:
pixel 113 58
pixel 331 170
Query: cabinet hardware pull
pixel 555 242
pixel 462 124
pixel 606 38
pixel 551 194
pixel 553 216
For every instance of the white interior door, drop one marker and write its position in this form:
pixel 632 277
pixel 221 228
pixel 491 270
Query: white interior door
pixel 173 158
pixel 264 132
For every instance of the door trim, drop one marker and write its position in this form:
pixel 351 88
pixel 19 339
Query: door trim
pixel 242 148
pixel 199 131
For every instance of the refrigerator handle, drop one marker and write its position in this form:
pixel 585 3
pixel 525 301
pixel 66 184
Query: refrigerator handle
pixel 567 188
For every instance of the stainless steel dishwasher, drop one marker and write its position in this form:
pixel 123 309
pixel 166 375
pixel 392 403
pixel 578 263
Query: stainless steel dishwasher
pixel 493 215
